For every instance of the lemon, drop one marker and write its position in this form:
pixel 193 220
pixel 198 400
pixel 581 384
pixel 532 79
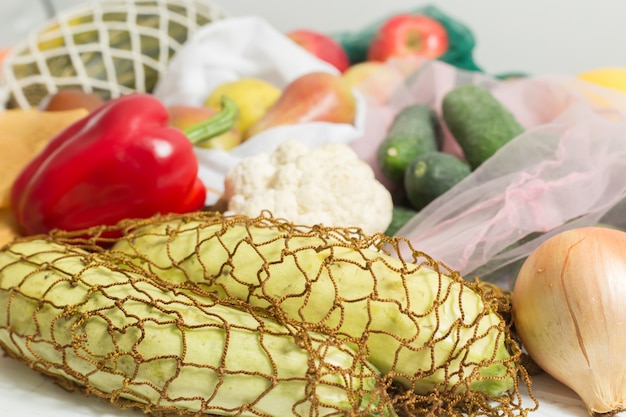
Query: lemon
pixel 253 96
pixel 614 78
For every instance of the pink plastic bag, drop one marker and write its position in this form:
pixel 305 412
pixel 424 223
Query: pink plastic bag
pixel 567 170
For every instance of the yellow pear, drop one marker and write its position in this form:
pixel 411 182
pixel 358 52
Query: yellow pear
pixel 360 72
pixel 253 96
pixel 312 97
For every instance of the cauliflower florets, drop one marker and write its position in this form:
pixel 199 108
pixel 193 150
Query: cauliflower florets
pixel 327 185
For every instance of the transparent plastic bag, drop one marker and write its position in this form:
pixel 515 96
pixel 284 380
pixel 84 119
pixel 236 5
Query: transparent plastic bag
pixel 565 171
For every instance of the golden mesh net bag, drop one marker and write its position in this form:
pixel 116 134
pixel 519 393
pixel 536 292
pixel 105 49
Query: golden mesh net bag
pixel 229 315
pixel 108 47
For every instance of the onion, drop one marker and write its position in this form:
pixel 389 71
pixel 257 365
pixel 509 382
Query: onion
pixel 569 309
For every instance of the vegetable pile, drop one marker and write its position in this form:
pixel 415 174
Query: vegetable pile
pixel 292 294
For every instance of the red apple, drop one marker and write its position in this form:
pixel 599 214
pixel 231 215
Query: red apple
pixel 322 46
pixel 408 35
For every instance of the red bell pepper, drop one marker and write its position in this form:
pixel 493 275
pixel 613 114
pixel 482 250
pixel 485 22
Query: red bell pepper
pixel 121 161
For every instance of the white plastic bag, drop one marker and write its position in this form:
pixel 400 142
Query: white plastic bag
pixel 566 170
pixel 240 47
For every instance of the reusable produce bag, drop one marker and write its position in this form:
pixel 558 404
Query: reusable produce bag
pixel 240 47
pixel 565 171
pixel 108 47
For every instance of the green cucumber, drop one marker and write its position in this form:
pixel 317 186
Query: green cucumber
pixel 430 175
pixel 479 122
pixel 400 216
pixel 415 130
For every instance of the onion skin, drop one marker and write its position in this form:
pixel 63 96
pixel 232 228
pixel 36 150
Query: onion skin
pixel 569 310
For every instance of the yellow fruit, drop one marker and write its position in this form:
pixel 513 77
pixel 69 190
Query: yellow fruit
pixel 49 38
pixel 358 73
pixel 614 78
pixel 373 79
pixel 253 96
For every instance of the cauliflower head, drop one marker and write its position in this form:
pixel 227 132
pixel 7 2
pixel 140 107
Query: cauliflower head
pixel 327 185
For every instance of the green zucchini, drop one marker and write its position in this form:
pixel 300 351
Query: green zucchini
pixel 121 334
pixel 426 328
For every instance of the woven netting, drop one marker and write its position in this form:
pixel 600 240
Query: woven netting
pixel 107 47
pixel 228 315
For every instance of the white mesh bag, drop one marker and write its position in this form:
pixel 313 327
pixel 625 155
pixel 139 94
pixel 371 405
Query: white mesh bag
pixel 109 47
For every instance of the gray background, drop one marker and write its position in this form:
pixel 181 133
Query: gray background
pixel 535 36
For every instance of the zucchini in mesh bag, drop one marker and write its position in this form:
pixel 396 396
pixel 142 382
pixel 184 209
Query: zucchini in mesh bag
pixel 108 47
pixel 420 324
pixel 119 333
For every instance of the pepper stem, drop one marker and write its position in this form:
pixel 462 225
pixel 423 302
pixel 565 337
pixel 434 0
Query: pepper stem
pixel 220 123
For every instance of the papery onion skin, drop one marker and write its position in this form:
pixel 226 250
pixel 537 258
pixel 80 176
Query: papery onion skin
pixel 569 310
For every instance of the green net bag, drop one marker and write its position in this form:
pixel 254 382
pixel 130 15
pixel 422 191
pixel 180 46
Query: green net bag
pixel 107 47
pixel 460 37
